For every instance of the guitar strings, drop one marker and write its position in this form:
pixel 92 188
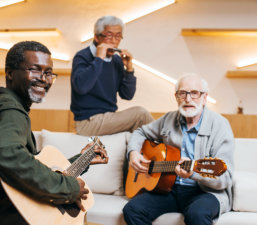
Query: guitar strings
pixel 169 166
pixel 77 167
pixel 73 165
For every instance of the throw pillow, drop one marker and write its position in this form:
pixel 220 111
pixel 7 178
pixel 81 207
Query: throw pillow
pixel 101 178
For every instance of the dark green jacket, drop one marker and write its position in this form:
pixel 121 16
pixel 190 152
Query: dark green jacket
pixel 18 167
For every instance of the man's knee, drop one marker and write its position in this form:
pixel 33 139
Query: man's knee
pixel 196 216
pixel 131 210
pixel 128 213
pixel 143 114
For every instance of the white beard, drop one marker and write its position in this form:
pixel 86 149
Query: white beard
pixel 34 97
pixel 191 112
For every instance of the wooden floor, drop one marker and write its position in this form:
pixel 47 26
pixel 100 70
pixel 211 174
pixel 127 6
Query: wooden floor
pixel 90 223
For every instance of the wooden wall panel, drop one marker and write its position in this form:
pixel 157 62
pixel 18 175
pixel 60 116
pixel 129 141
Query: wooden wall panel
pixel 157 115
pixel 71 123
pixel 52 120
pixel 243 126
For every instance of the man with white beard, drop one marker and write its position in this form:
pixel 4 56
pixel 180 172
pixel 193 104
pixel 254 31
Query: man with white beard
pixel 197 132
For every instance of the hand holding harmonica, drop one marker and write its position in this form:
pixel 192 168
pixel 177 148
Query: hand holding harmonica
pixel 127 59
pixel 125 55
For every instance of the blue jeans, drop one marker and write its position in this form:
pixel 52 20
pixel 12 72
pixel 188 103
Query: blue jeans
pixel 198 207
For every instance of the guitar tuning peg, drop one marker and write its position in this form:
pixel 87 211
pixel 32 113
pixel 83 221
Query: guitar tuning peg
pixel 212 176
pixel 90 139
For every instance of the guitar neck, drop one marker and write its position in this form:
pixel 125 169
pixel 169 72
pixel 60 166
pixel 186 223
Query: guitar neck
pixel 168 166
pixel 79 165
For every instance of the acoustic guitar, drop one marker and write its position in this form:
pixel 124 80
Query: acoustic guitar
pixel 161 172
pixel 40 213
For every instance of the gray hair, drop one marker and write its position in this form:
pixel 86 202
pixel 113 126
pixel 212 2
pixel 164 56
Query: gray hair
pixel 104 21
pixel 186 75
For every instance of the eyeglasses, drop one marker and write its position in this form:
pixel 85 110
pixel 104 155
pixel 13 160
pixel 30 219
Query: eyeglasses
pixel 39 74
pixel 109 36
pixel 194 94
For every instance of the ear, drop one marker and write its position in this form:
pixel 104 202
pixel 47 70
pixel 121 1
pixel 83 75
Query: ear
pixel 205 98
pixel 9 74
pixel 175 96
pixel 96 40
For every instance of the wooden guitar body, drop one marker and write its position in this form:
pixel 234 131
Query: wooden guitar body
pixel 161 171
pixel 38 213
pixel 160 182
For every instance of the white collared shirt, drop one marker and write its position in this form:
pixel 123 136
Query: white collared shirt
pixel 93 51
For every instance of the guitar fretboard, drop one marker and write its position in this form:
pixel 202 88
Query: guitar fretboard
pixel 168 166
pixel 78 166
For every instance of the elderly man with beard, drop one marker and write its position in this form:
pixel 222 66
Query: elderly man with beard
pixel 29 75
pixel 198 133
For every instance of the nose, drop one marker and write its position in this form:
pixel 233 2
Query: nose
pixel 113 40
pixel 188 97
pixel 42 76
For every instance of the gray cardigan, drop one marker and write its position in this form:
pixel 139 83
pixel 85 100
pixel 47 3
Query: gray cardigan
pixel 215 139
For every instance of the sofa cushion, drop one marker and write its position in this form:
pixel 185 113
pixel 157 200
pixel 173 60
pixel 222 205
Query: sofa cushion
pixel 237 218
pixel 107 210
pixel 245 186
pixel 38 139
pixel 110 210
pixel 102 178
pixel 245 154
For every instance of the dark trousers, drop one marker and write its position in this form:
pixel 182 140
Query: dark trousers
pixel 198 207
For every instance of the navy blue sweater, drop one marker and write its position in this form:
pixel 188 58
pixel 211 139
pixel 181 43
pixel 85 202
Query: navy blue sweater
pixel 95 84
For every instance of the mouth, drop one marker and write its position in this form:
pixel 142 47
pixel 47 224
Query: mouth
pixel 38 90
pixel 188 107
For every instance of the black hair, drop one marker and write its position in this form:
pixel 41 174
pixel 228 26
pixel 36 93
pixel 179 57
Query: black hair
pixel 15 55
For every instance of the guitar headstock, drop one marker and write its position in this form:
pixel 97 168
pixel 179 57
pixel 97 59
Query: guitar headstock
pixel 99 149
pixel 210 167
pixel 96 141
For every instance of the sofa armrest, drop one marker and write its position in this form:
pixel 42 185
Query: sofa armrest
pixel 244 192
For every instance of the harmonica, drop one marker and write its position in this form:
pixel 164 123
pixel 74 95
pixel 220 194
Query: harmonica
pixel 114 50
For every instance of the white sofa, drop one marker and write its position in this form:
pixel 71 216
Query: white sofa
pixel 107 181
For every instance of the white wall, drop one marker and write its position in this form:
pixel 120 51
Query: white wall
pixel 156 41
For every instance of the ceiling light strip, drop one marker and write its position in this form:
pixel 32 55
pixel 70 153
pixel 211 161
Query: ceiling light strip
pixel 148 11
pixel 164 76
pixel 9 2
pixel 136 16
pixel 156 72
pixel 44 32
pixel 247 62
pixel 55 55
pixel 60 56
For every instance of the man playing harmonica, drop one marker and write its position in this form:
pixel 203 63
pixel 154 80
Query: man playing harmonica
pixel 99 72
